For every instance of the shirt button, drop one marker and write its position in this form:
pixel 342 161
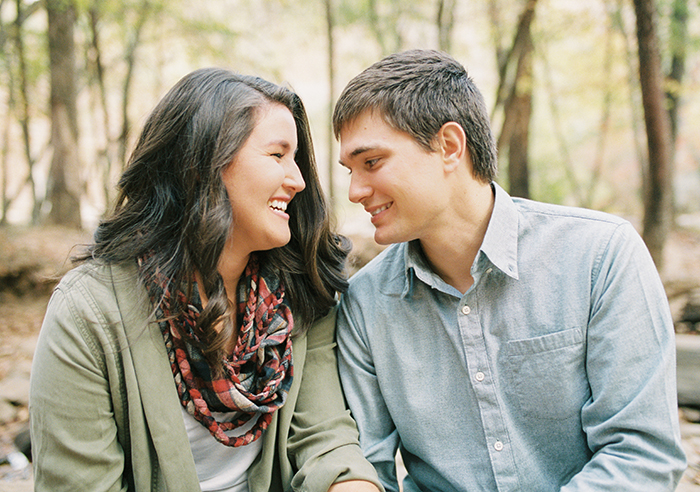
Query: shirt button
pixel 479 376
pixel 498 446
pixel 466 309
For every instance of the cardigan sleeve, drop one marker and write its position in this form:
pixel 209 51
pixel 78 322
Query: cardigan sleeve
pixel 75 442
pixel 323 440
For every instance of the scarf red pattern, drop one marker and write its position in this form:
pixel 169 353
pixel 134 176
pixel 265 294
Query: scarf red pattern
pixel 257 376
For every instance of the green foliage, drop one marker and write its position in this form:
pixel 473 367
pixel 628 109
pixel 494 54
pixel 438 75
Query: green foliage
pixel 285 40
pixel 33 35
pixel 387 21
pixel 549 182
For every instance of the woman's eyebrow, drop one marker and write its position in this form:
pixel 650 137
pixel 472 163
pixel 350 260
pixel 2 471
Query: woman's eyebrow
pixel 282 143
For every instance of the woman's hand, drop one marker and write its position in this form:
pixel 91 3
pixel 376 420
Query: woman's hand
pixel 354 486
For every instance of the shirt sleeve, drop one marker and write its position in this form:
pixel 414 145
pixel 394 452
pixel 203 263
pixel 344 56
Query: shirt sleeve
pixel 378 435
pixel 323 441
pixel 74 434
pixel 631 418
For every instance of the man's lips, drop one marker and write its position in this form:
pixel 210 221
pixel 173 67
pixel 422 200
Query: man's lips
pixel 376 211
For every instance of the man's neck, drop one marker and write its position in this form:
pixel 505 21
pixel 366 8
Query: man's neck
pixel 452 250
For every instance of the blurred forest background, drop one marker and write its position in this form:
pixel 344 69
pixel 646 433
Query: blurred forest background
pixel 592 101
pixel 594 104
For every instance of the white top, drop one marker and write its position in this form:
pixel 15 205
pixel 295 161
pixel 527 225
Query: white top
pixel 221 468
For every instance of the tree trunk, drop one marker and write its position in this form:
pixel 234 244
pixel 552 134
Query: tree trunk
pixel 6 150
pixel 674 79
pixel 657 206
pixel 604 128
pixel 520 104
pixel 445 24
pixel 678 41
pixel 64 187
pixel 24 110
pixel 516 81
pixel 558 128
pixel 134 42
pixel 7 118
pixel 386 31
pixel 375 26
pixel 508 62
pixel 634 92
pixel 331 99
pixel 107 154
pixel 497 36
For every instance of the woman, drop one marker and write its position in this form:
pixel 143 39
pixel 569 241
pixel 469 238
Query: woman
pixel 180 354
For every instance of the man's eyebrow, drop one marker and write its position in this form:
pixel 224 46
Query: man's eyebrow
pixel 359 151
pixel 362 150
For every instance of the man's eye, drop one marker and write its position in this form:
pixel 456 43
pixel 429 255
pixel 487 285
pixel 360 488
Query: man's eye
pixel 371 162
pixel 278 155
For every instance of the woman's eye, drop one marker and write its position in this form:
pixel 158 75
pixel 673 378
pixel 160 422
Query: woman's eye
pixel 278 155
pixel 371 162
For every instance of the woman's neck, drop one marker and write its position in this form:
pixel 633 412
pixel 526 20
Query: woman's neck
pixel 231 270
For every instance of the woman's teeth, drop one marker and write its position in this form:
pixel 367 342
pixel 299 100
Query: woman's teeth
pixel 278 205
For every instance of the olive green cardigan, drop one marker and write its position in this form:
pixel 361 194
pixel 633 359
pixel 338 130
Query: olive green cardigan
pixel 105 415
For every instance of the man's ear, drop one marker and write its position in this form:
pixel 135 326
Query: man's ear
pixel 452 143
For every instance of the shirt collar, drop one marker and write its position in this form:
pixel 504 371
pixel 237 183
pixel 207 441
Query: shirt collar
pixel 417 266
pixel 500 246
pixel 416 261
pixel 500 243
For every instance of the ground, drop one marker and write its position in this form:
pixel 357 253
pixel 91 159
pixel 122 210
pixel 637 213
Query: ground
pixel 32 259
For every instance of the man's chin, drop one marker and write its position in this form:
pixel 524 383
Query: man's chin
pixel 384 238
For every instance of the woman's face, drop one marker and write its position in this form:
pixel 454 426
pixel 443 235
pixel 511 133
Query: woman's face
pixel 261 181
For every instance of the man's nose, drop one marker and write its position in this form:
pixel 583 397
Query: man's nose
pixel 359 188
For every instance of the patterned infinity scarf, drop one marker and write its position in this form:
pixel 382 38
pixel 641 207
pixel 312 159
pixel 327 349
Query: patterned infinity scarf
pixel 259 372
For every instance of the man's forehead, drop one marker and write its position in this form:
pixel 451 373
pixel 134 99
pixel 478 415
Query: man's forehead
pixel 359 140
pixel 368 117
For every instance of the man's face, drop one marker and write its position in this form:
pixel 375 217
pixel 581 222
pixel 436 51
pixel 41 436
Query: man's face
pixel 400 184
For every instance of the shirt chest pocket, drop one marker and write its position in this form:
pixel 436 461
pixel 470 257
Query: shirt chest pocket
pixel 545 377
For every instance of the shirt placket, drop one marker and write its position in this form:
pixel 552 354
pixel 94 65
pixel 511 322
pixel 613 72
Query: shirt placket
pixel 482 381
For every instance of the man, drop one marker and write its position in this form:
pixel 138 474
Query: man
pixel 500 344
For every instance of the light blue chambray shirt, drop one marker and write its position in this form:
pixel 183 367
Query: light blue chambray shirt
pixel 555 371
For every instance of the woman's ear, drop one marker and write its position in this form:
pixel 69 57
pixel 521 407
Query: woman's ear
pixel 452 143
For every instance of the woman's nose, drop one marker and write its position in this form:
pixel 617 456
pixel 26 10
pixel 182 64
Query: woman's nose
pixel 293 179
